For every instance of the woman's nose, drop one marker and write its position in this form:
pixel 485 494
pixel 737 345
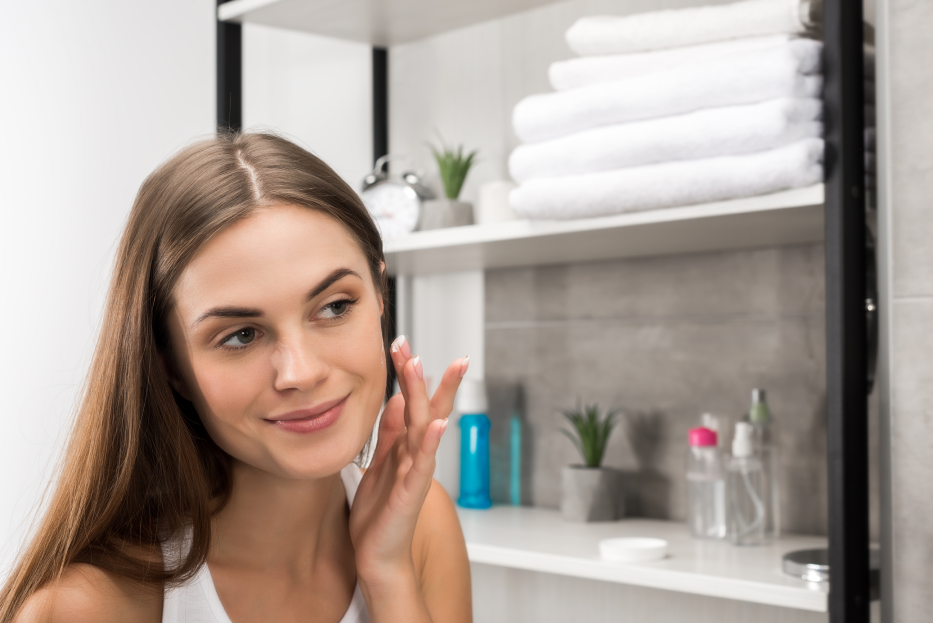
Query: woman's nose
pixel 297 365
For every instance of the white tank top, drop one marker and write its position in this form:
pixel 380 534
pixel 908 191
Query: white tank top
pixel 196 601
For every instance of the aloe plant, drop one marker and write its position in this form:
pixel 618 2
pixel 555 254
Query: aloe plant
pixel 453 167
pixel 590 432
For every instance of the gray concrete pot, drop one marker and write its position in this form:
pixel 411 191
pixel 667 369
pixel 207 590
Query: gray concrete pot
pixel 440 213
pixel 591 494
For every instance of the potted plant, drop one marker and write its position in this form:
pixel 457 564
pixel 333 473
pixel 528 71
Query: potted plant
pixel 453 167
pixel 590 492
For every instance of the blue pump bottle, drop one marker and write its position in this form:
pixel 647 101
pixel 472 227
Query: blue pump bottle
pixel 474 445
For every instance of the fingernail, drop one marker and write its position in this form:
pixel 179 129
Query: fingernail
pixel 443 427
pixel 418 369
pixel 464 366
pixel 397 343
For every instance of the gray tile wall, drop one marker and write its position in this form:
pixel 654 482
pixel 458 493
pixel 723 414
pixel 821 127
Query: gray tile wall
pixel 905 94
pixel 665 339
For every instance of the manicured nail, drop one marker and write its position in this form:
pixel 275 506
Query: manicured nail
pixel 397 344
pixel 464 366
pixel 443 427
pixel 418 369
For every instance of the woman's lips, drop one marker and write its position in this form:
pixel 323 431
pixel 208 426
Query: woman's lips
pixel 310 420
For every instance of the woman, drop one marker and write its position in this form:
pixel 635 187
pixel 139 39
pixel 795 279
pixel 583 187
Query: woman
pixel 240 370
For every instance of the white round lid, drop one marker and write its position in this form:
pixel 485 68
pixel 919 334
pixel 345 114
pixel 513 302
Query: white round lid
pixel 632 549
pixel 471 397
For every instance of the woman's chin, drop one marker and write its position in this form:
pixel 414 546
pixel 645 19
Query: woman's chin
pixel 317 461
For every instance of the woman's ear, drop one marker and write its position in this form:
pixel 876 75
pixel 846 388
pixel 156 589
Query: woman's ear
pixel 177 383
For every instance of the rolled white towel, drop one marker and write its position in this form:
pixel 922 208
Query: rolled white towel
pixel 671 184
pixel 707 133
pixel 591 36
pixel 585 70
pixel 784 71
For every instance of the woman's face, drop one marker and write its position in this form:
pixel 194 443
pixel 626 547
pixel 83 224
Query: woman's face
pixel 277 341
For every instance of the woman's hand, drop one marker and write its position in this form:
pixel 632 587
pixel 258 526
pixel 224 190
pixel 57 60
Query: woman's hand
pixel 389 498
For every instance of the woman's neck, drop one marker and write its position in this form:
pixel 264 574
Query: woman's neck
pixel 272 523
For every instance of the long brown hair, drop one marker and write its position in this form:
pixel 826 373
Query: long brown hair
pixel 139 465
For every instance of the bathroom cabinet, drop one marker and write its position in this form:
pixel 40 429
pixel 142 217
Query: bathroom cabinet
pixel 832 213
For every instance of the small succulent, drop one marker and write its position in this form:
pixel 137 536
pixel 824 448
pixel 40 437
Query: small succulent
pixel 592 431
pixel 453 167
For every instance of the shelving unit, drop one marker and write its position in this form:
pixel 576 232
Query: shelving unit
pixel 783 218
pixel 788 217
pixel 381 23
pixel 537 539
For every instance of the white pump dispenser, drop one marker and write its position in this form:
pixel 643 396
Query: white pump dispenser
pixel 745 509
pixel 743 444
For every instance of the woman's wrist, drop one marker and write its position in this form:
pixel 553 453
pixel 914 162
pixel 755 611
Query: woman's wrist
pixel 387 577
pixel 393 594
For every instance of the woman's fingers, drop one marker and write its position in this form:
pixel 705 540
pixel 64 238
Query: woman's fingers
pixel 442 403
pixel 391 426
pixel 418 407
pixel 418 478
pixel 419 410
pixel 400 353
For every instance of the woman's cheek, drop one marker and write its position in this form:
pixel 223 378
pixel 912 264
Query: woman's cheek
pixel 228 391
pixel 360 348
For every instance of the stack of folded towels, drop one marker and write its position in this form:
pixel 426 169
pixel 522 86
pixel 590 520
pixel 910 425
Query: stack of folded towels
pixel 672 108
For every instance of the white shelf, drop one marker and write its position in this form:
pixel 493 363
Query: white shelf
pixel 538 539
pixel 379 22
pixel 788 217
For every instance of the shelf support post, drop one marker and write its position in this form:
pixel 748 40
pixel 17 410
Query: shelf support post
pixel 229 75
pixel 381 148
pixel 846 359
pixel 380 102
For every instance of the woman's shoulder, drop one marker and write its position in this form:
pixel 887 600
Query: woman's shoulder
pixel 85 593
pixel 440 556
pixel 438 523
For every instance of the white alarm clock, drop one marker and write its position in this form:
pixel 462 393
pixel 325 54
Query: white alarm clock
pixel 394 201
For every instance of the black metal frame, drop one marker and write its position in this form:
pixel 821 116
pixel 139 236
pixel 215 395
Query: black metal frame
pixel 846 360
pixel 380 102
pixel 846 347
pixel 229 75
pixel 380 75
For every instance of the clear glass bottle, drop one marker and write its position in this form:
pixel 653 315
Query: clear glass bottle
pixel 765 449
pixel 706 486
pixel 746 512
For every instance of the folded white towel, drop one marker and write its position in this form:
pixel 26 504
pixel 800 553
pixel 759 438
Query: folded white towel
pixel 591 36
pixel 671 184
pixel 707 133
pixel 578 72
pixel 756 76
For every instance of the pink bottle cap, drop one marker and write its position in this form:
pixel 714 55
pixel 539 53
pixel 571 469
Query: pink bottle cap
pixel 702 437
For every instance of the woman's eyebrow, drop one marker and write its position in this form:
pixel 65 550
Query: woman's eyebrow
pixel 227 312
pixel 330 280
pixel 251 312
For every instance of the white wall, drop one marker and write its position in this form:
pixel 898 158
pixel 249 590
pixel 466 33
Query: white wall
pixel 316 90
pixel 94 95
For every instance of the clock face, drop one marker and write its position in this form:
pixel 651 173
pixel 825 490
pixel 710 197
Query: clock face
pixel 395 208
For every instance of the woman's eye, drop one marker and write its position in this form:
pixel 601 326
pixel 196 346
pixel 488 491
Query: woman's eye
pixel 336 309
pixel 240 338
